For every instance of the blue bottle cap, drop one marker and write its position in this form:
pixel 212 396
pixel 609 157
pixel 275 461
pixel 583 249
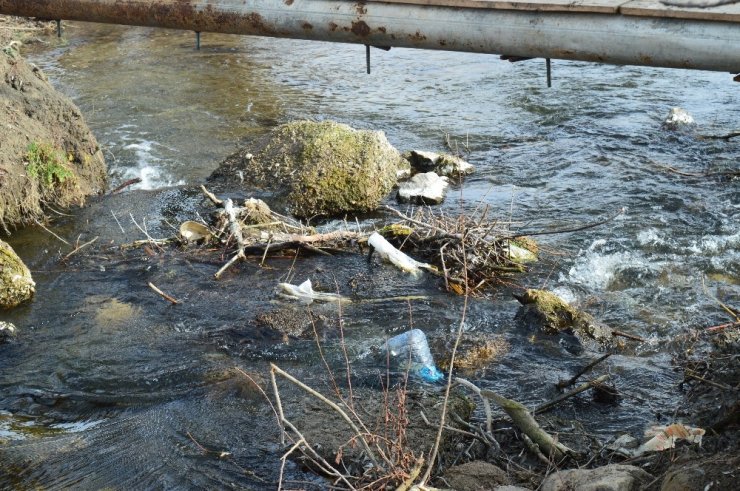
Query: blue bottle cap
pixel 430 374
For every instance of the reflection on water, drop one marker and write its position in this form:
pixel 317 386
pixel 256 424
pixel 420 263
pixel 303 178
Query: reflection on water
pixel 110 384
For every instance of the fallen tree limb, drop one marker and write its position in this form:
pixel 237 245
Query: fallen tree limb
pixel 524 420
pixel 549 405
pixel 162 294
pixel 78 249
pixel 567 383
pixel 573 229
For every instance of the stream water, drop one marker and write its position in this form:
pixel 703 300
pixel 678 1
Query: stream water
pixel 108 386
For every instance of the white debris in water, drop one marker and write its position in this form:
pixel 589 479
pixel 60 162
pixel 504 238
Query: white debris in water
pixel 306 294
pixel 426 188
pixel 677 118
pixel 386 250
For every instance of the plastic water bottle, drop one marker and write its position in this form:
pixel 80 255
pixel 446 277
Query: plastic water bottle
pixel 410 349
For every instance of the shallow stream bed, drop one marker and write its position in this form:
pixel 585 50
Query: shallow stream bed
pixel 110 386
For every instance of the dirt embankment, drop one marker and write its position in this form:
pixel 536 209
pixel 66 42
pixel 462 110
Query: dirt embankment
pixel 48 156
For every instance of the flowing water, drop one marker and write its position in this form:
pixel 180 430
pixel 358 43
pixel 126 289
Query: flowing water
pixel 109 386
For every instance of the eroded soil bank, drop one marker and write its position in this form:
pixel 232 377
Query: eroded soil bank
pixel 48 155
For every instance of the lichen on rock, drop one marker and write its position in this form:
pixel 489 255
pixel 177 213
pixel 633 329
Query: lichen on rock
pixel 318 168
pixel 16 284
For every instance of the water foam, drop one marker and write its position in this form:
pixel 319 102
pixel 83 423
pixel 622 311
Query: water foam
pixel 149 166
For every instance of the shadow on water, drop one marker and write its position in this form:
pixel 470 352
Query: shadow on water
pixel 108 383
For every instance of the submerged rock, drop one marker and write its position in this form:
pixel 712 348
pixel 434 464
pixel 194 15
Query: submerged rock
pixel 49 156
pixel 16 284
pixel 678 118
pixel 442 164
pixel 613 477
pixel 323 168
pixel 7 332
pixel 554 316
pixel 423 189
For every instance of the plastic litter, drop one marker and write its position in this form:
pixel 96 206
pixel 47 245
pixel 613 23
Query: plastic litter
pixel 411 350
pixel 386 250
pixel 306 294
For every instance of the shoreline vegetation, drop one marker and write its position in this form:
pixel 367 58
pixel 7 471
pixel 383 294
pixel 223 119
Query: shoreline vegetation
pixel 406 435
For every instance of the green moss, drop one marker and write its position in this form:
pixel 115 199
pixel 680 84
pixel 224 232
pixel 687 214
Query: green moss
pixel 47 166
pixel 395 230
pixel 557 315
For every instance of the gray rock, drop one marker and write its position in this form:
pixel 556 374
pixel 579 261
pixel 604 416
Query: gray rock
pixel 7 332
pixel 614 477
pixel 426 188
pixel 16 284
pixel 475 476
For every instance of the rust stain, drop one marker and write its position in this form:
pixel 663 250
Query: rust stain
pixel 417 37
pixel 333 26
pixel 361 8
pixel 382 29
pixel 443 42
pixel 307 26
pixel 288 2
pixel 360 28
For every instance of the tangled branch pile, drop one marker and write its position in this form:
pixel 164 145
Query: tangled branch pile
pixel 462 247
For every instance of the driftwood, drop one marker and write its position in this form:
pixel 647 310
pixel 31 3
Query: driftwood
pixel 523 419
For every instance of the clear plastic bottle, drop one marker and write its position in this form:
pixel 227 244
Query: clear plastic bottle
pixel 411 350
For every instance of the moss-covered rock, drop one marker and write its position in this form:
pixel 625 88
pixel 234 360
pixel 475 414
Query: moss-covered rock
pixel 16 284
pixel 318 168
pixel 554 315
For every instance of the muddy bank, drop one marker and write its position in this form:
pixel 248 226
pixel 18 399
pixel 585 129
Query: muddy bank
pixel 49 158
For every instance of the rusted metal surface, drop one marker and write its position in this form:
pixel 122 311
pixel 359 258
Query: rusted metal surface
pixel 606 38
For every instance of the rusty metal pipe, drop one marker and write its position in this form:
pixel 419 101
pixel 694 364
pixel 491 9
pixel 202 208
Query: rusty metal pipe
pixel 605 38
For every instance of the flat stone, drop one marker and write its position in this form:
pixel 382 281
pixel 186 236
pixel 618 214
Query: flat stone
pixel 476 475
pixel 426 188
pixel 614 477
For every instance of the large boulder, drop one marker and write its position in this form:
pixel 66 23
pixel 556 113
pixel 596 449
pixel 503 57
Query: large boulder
pixel 16 284
pixel 317 168
pixel 48 156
